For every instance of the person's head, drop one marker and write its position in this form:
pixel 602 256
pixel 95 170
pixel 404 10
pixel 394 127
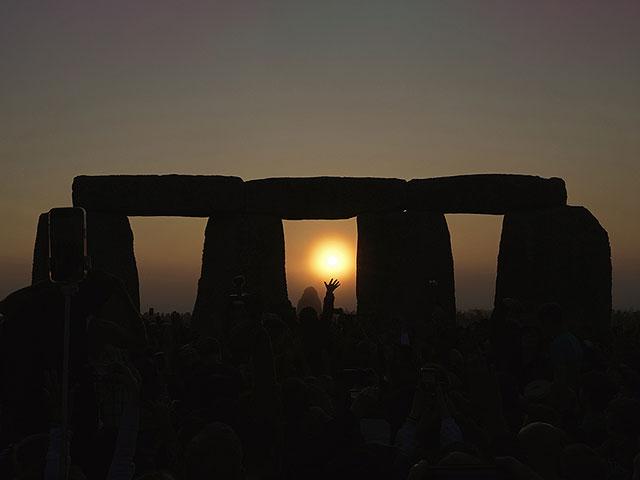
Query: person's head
pixel 581 462
pixel 215 452
pixel 311 299
pixel 542 445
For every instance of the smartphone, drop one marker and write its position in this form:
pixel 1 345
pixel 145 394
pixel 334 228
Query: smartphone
pixel 68 261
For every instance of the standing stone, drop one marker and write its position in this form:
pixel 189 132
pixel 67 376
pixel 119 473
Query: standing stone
pixel 558 255
pixel 110 246
pixel 239 244
pixel 40 268
pixel 398 254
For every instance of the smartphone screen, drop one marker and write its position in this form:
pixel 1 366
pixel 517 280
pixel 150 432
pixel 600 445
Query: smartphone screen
pixel 67 245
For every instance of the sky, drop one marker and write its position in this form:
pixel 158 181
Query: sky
pixel 303 88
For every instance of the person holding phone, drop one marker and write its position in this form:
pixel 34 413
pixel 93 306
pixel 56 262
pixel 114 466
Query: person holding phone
pixel 101 314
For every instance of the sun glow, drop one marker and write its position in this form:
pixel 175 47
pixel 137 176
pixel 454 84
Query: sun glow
pixel 332 257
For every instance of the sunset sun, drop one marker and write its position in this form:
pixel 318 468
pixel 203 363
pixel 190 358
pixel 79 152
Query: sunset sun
pixel 332 257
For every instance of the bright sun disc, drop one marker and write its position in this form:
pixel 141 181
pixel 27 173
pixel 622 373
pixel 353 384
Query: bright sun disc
pixel 331 257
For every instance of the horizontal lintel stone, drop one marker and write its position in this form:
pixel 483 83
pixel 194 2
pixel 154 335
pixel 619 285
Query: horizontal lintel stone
pixel 326 198
pixel 159 195
pixel 313 197
pixel 494 194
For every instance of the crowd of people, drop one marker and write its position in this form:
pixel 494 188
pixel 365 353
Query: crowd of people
pixel 311 393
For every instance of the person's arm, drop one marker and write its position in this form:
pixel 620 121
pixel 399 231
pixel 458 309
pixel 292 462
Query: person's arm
pixel 122 466
pixel 329 299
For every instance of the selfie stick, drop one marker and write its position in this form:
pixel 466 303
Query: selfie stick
pixel 66 221
pixel 68 290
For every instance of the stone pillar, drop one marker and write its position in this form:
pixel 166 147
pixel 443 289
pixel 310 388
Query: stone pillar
pixel 558 255
pixel 110 246
pixel 40 268
pixel 239 244
pixel 398 254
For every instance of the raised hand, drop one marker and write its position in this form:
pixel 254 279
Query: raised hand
pixel 332 285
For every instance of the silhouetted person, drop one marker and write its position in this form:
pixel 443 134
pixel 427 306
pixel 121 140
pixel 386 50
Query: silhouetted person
pixel 103 319
pixel 311 299
pixel 315 331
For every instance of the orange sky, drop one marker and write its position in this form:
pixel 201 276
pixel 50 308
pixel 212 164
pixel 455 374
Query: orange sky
pixel 171 283
pixel 389 89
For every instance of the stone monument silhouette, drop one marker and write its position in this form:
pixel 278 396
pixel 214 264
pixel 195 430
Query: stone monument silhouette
pixel 549 251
